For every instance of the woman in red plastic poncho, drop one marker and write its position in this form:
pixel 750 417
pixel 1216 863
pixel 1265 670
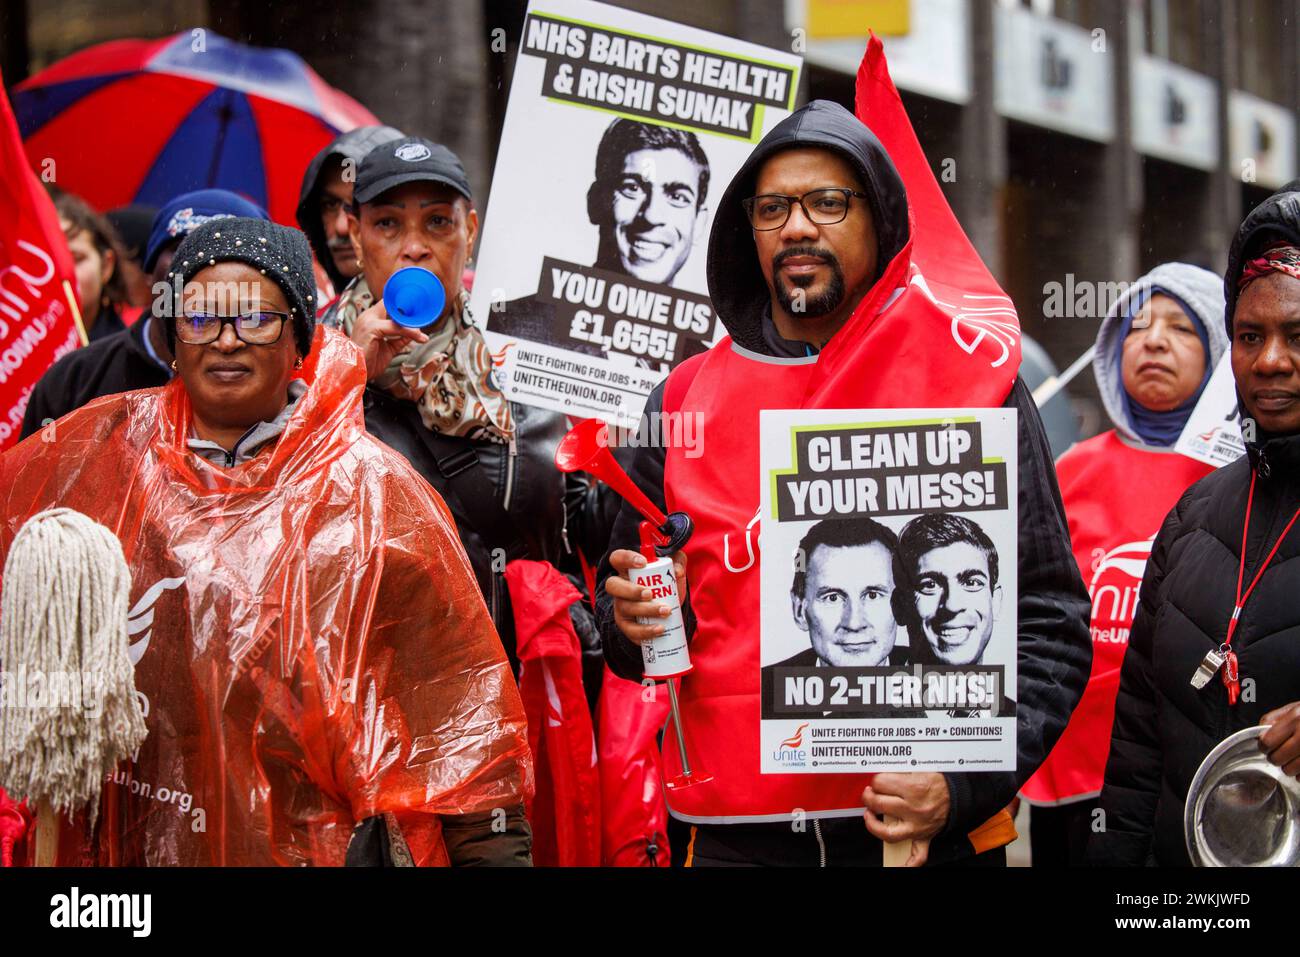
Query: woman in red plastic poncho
pixel 321 681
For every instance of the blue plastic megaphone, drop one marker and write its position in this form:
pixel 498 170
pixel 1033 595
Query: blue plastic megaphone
pixel 414 297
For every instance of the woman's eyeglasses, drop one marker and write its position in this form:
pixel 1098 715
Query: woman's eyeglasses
pixel 259 328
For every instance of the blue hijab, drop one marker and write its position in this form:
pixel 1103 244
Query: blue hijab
pixel 1159 428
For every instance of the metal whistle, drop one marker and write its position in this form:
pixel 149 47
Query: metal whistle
pixel 1207 669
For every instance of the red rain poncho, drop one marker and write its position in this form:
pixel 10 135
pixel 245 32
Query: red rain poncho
pixel 565 811
pixel 309 642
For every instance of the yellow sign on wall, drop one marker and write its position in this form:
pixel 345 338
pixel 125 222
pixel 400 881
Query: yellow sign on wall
pixel 830 19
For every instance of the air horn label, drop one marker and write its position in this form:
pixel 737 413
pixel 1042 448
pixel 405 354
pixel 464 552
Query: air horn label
pixel 666 655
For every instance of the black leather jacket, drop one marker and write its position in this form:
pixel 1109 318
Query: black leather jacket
pixel 508 502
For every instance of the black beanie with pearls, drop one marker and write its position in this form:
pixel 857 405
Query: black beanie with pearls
pixel 278 252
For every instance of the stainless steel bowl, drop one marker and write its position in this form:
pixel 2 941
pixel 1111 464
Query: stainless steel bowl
pixel 1242 811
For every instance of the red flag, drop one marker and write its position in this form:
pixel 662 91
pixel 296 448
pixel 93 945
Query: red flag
pixel 37 287
pixel 983 317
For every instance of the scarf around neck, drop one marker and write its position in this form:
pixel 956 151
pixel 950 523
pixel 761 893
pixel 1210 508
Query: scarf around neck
pixel 449 378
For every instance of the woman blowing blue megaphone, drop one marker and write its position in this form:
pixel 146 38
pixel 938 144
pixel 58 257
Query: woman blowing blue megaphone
pixel 414 297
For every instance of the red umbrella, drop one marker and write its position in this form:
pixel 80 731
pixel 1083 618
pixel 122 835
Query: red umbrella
pixel 143 120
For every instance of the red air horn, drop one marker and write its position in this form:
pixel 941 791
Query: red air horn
pixel 586 449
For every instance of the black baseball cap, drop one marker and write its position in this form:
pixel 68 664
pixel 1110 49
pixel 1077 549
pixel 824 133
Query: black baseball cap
pixel 412 159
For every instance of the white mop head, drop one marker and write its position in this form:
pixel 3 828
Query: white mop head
pixel 68 707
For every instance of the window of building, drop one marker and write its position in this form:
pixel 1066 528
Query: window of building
pixel 1175 30
pixel 1084 13
pixel 1261 67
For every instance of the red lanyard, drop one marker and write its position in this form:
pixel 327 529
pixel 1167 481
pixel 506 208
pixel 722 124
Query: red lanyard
pixel 1231 676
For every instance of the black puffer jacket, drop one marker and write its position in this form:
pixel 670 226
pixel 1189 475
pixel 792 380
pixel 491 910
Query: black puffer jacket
pixel 1163 727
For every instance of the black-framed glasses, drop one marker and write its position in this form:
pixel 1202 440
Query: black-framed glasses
pixel 823 207
pixel 260 328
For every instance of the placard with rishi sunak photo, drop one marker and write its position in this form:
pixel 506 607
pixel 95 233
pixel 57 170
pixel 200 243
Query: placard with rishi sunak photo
pixel 621 132
pixel 888 576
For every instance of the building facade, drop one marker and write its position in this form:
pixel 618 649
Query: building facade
pixel 1080 142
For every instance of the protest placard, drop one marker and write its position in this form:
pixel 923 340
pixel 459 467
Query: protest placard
pixel 620 131
pixel 1213 431
pixel 888 579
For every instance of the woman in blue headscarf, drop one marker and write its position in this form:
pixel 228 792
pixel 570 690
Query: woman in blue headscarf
pixel 1156 350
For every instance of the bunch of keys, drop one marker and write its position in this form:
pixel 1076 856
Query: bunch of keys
pixel 1215 659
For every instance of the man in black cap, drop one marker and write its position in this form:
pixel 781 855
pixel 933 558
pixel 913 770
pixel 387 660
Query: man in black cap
pixel 327 195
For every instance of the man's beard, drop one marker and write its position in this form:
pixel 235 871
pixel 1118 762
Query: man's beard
pixel 795 302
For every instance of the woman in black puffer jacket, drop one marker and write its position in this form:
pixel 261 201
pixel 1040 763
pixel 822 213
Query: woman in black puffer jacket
pixel 1164 727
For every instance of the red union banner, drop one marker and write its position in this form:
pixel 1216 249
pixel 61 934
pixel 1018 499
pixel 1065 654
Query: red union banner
pixel 36 288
